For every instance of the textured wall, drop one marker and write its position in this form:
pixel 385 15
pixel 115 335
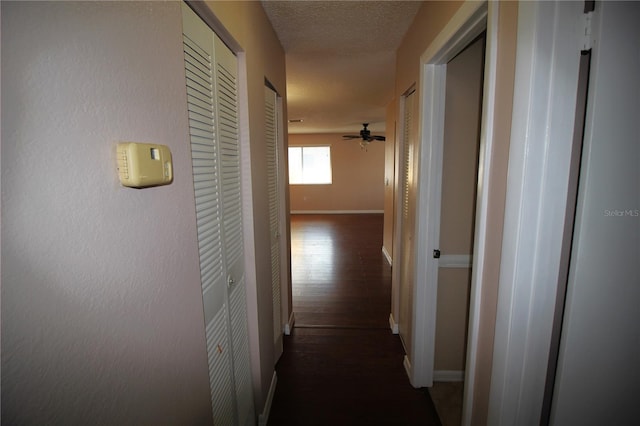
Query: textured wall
pixel 101 303
pixel 358 177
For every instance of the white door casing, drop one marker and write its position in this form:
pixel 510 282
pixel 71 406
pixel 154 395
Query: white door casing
pixel 470 21
pixel 598 380
pixel 536 202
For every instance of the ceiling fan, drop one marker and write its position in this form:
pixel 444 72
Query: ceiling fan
pixel 365 135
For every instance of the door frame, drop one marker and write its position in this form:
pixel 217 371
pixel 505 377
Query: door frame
pixel 469 21
pixel 547 69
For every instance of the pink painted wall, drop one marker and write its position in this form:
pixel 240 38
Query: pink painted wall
pixel 101 300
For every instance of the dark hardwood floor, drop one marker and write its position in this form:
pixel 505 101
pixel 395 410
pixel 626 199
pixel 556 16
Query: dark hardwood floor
pixel 341 364
pixel 339 275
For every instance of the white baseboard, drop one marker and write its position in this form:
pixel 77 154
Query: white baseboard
pixel 455 261
pixel 335 211
pixel 288 327
pixel 448 376
pixel 387 256
pixel 264 417
pixel 407 367
pixel 393 324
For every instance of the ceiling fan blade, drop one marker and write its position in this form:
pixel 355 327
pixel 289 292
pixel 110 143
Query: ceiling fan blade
pixel 351 136
pixel 378 138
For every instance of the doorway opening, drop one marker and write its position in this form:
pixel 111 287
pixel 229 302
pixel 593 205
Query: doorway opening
pixel 463 108
pixel 337 234
pixel 471 20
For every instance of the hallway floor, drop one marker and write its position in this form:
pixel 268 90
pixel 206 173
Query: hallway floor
pixel 342 365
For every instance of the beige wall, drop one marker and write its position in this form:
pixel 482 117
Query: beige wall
pixel 429 20
pixel 459 176
pixel 247 23
pixel 452 319
pixel 358 176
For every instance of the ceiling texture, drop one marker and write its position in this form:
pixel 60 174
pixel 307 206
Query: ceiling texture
pixel 340 58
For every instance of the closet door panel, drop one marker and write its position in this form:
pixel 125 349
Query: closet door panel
pixel 200 86
pixel 233 246
pixel 212 95
pixel 271 138
pixel 407 227
pixel 220 379
pixel 241 362
pixel 199 54
pixel 229 139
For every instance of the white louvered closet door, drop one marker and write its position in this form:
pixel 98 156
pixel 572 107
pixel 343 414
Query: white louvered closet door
pixel 271 139
pixel 226 71
pixel 405 324
pixel 211 83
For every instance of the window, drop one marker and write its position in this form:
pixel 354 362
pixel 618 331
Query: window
pixel 309 165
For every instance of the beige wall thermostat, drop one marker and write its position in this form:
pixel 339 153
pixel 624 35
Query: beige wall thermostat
pixel 142 164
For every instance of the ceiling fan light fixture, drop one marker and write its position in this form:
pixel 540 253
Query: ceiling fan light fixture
pixel 365 135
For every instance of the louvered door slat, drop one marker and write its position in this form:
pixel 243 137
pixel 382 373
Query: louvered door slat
pixel 200 105
pixel 226 90
pixel 218 349
pixel 197 97
pixel 241 362
pixel 407 157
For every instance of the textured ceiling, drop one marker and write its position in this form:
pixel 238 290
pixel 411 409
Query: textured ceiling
pixel 340 60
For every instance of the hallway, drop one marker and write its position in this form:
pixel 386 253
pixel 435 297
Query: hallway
pixel 341 365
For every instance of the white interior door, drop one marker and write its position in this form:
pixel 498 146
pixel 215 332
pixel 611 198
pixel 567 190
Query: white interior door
pixel 598 378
